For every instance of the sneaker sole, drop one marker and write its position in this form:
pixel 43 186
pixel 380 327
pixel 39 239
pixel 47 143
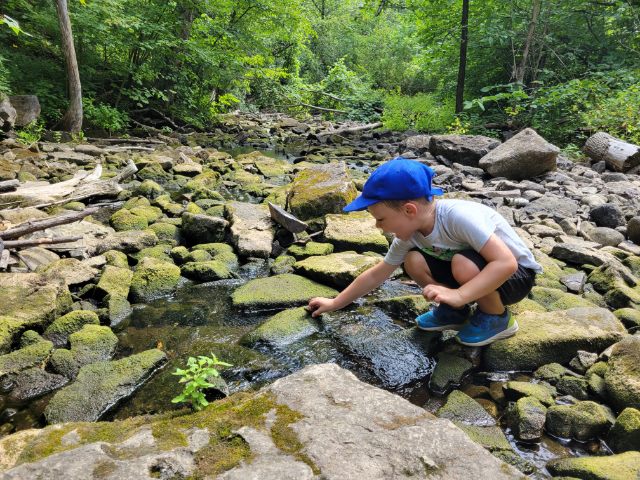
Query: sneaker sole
pixel 440 328
pixel 509 332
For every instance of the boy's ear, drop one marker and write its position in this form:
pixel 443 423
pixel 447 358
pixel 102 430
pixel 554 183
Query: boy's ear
pixel 410 208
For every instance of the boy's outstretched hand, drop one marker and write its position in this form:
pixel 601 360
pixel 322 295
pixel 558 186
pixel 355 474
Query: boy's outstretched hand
pixel 441 294
pixel 320 305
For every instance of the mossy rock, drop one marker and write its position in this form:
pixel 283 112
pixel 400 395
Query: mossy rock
pixel 526 305
pixel 203 186
pixel 124 220
pixel 406 307
pixel 462 409
pixel 280 291
pixel 630 318
pixel 554 299
pixel 544 393
pixel 552 372
pixel 198 229
pixel 10 328
pixel 168 206
pixel 115 281
pixel 582 421
pixel 153 278
pixel 551 273
pixel 118 308
pixel 152 214
pixel 320 190
pixel 166 233
pixel 100 386
pixel 283 328
pixel 159 252
pixel 282 264
pixel 136 202
pixel 526 418
pixel 310 249
pixel 194 208
pixel 149 189
pixel 625 433
pixel 623 466
pixel 93 343
pixel 29 356
pixel 492 438
pixel 577 387
pixel 355 231
pixel 33 299
pixel 337 269
pixel 553 337
pixel 116 259
pixel 197 256
pixel 75 206
pixel 449 371
pixel 180 255
pixel 206 271
pixel 58 332
pixel 215 211
pixel 622 377
pixel 221 252
pixel 155 172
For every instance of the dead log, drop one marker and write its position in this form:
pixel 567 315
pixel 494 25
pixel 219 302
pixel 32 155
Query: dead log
pixel 617 154
pixel 9 185
pixel 39 241
pixel 42 224
pixel 359 128
pixel 82 186
pixel 127 140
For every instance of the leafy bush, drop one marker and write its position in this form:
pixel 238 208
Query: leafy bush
pixel 196 379
pixel 617 114
pixel 104 116
pixel 30 133
pixel 422 112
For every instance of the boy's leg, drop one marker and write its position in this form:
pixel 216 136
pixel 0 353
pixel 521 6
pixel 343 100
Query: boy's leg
pixel 463 270
pixel 418 269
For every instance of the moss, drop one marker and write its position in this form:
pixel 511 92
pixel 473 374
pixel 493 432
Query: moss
pixel 625 434
pixel 544 393
pixel 10 328
pixel 198 256
pixel 355 231
pixel 194 208
pixel 283 328
pixel 554 299
pixel 633 263
pixel 598 368
pixel 180 255
pixel 30 337
pixel 115 281
pixel 279 291
pixel 449 370
pixel 203 186
pixel 406 307
pixel 623 466
pixel 61 328
pixel 152 214
pixel 526 305
pixel 166 233
pixel 168 206
pixel 75 206
pixel 29 356
pixel 215 211
pixel 124 220
pixel 622 296
pixel 155 172
pixel 462 409
pixel 282 264
pixel 93 343
pixel 582 421
pixel 206 271
pixel 552 372
pixel 160 252
pixel 577 387
pixel 491 438
pixel 310 249
pixel 623 373
pixel 153 278
pixel 136 202
pixel 149 189
pixel 116 258
pixel 630 318
pixel 336 269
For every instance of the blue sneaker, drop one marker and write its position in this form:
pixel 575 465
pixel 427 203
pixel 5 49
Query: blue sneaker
pixel 484 328
pixel 443 317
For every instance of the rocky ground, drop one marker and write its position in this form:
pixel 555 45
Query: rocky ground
pixel 195 213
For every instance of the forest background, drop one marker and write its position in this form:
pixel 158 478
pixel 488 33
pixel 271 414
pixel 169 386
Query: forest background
pixel 564 67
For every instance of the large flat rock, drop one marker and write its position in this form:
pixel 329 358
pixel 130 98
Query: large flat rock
pixel 251 229
pixel 554 337
pixel 321 422
pixel 337 269
pixel 355 231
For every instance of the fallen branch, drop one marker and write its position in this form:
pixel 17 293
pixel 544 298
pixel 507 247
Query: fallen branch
pixel 42 224
pixel 127 140
pixel 359 128
pixel 39 241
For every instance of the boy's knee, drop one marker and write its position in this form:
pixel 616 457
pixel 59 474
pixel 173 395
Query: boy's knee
pixel 463 269
pixel 414 262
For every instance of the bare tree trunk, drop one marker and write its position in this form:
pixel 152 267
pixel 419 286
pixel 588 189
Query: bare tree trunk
pixel 520 70
pixel 462 65
pixel 72 120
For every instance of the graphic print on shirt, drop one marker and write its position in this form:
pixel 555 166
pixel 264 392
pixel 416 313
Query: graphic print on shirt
pixel 440 253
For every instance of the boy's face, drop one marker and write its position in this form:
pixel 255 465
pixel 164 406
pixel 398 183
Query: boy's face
pixel 401 222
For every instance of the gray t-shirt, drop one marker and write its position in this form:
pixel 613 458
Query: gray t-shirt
pixel 462 225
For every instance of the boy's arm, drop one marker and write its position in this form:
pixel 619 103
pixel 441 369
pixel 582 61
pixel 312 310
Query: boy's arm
pixel 501 264
pixel 363 284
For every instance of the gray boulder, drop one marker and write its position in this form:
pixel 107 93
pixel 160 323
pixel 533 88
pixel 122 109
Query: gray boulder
pixel 523 156
pixel 7 114
pixel 633 230
pixel 608 215
pixel 199 228
pixel 463 149
pixel 526 419
pixel 27 109
pixel 336 269
pixel 252 232
pixel 582 421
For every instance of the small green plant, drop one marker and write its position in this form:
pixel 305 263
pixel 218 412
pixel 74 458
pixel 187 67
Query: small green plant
pixel 31 133
pixel 196 379
pixel 78 137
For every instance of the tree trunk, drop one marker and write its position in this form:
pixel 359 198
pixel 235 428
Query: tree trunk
pixel 462 65
pixel 72 119
pixel 520 70
pixel 618 154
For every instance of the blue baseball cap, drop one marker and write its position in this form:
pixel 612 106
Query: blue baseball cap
pixel 398 179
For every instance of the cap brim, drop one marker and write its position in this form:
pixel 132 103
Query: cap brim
pixel 360 203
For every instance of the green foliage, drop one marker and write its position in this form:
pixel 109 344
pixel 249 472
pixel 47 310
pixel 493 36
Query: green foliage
pixel 104 116
pixel 196 379
pixel 11 23
pixel 617 113
pixel 421 112
pixel 30 134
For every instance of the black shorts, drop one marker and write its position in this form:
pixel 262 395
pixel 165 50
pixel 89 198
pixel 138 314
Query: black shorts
pixel 512 291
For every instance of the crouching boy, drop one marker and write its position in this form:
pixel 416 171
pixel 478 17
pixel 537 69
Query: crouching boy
pixel 458 251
